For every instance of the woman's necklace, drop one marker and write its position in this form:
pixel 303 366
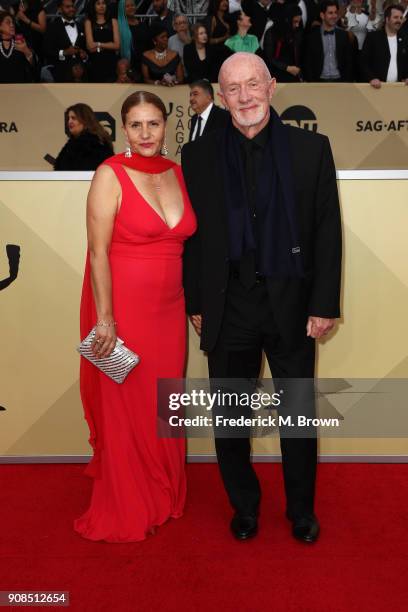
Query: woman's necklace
pixel 160 55
pixel 10 51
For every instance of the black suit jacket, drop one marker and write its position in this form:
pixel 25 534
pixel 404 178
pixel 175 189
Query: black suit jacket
pixel 375 57
pixel 259 16
pixel 56 39
pixel 404 28
pixel 217 120
pixel 206 263
pixel 314 56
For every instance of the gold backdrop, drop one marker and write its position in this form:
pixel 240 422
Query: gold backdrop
pixel 367 128
pixel 39 314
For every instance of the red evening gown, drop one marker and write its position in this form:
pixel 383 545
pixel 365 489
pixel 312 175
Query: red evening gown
pixel 139 479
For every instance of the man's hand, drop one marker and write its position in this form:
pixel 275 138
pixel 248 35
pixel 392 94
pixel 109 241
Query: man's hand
pixel 318 327
pixel 293 70
pixel 71 51
pixel 196 320
pixel 376 83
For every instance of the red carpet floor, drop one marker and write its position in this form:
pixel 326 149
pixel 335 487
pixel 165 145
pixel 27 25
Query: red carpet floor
pixel 193 564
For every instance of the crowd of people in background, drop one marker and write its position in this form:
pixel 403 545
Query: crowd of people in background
pixel 154 42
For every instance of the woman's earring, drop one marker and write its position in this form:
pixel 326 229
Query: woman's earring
pixel 128 151
pixel 164 150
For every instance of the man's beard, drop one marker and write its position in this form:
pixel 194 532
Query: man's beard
pixel 257 118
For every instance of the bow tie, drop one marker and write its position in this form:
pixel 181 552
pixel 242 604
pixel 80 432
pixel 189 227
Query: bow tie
pixel 70 23
pixel 328 32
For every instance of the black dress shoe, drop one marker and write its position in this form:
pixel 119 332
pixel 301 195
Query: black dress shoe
pixel 306 528
pixel 244 527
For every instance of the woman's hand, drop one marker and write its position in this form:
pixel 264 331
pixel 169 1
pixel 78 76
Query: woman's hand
pixel 21 16
pixel 21 46
pixel 105 341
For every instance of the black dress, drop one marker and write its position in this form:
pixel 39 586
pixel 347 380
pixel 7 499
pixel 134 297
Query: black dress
pixel 15 68
pixel 141 42
pixel 282 49
pixel 219 51
pixel 220 29
pixel 34 39
pixel 156 73
pixel 195 67
pixel 102 65
pixel 85 152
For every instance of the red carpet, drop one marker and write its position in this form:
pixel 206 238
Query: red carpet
pixel 193 564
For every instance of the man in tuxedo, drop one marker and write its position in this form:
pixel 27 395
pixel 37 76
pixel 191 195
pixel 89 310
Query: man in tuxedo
pixel 262 271
pixel 207 116
pixel 329 52
pixel 384 57
pixel 64 42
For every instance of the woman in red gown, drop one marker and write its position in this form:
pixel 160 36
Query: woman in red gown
pixel 138 217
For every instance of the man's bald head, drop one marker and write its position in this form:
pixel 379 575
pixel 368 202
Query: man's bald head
pixel 242 61
pixel 246 89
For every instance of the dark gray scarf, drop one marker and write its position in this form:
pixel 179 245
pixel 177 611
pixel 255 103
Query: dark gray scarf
pixel 278 247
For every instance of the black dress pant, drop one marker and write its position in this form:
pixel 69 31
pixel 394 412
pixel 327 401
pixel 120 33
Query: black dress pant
pixel 248 328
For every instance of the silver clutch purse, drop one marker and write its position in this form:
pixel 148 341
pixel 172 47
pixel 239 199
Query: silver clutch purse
pixel 119 363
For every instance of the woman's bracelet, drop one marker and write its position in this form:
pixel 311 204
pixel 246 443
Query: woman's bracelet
pixel 105 324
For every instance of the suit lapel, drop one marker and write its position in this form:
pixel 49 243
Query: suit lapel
pixel 209 121
pixel 65 33
pixel 400 55
pixel 387 53
pixel 219 200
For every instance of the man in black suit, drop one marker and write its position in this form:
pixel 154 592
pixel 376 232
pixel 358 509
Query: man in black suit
pixel 404 27
pixel 329 52
pixel 164 15
pixel 207 116
pixel 384 56
pixel 259 12
pixel 263 270
pixel 64 42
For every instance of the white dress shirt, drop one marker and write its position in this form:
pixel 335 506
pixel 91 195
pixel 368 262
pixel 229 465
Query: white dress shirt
pixel 392 74
pixel 72 32
pixel 303 8
pixel 357 23
pixel 235 5
pixel 204 117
